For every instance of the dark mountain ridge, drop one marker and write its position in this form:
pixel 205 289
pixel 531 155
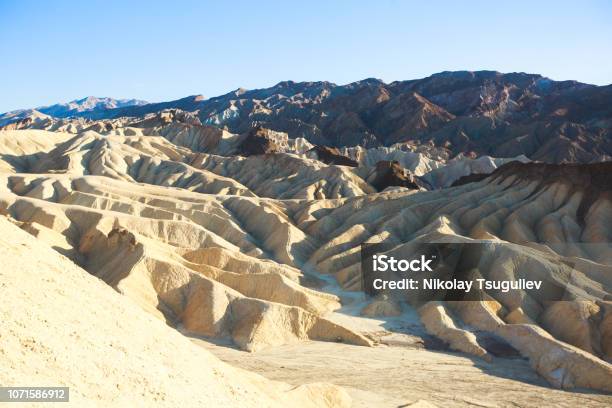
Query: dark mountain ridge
pixel 483 112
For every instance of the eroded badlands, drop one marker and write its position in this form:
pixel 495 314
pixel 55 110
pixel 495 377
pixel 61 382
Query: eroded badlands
pixel 260 252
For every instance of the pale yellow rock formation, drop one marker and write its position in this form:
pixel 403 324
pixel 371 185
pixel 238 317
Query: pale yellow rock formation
pixel 438 323
pixel 64 327
pixel 243 248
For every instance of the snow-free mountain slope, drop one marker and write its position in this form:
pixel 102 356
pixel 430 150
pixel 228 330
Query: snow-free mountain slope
pixel 481 112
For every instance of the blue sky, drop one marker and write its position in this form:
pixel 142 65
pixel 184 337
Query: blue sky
pixel 56 51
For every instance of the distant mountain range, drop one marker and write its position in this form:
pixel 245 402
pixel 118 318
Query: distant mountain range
pixel 483 112
pixel 90 105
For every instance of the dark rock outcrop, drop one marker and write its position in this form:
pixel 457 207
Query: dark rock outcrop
pixel 392 174
pixel 331 155
pixel 470 178
pixel 257 141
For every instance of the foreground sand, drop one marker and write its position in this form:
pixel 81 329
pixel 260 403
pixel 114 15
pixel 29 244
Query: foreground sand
pixel 396 376
pixel 64 327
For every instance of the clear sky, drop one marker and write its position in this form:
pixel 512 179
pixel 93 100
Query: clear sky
pixel 56 51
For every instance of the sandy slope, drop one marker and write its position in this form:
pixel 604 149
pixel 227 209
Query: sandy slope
pixel 63 327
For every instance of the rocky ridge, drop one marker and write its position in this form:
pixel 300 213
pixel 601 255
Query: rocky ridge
pixel 481 112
